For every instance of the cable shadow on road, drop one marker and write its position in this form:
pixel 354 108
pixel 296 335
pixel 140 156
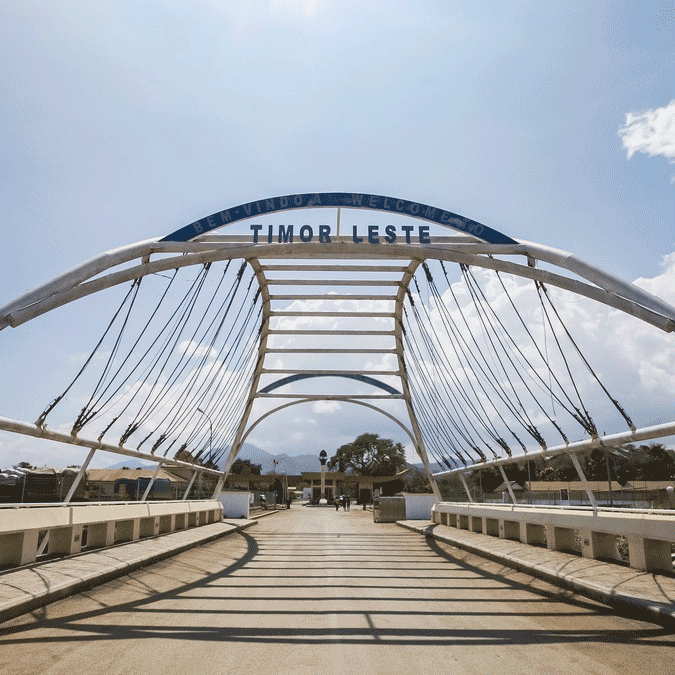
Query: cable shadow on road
pixel 534 585
pixel 134 583
pixel 289 619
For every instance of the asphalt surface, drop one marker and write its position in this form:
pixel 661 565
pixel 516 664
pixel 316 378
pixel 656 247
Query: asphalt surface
pixel 317 591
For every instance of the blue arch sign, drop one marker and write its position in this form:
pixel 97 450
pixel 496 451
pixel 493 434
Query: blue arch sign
pixel 350 376
pixel 351 200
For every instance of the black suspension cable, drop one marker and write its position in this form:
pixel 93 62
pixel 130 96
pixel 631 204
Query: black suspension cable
pixel 41 420
pixel 622 412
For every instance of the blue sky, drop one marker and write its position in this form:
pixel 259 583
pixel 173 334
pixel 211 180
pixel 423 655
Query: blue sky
pixel 123 121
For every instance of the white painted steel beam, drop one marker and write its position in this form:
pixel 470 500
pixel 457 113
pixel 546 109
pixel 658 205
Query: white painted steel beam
pixel 334 350
pixel 346 296
pixel 419 439
pixel 74 284
pixel 309 400
pixel 26 429
pixel 644 434
pixel 105 271
pixel 280 331
pixel 301 371
pixel 332 397
pixel 333 268
pixel 252 394
pixel 352 315
pixel 331 282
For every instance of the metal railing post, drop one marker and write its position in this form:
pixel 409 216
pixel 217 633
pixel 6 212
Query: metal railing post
pixel 508 485
pixel 190 484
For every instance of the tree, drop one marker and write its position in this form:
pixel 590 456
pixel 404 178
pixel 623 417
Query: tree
pixel 653 462
pixel 244 466
pixel 558 468
pixel 416 482
pixel 595 466
pixel 369 455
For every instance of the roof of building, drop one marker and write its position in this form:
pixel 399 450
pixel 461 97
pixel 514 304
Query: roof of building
pixel 649 484
pixel 576 485
pixel 112 475
pixel 354 477
pixel 514 486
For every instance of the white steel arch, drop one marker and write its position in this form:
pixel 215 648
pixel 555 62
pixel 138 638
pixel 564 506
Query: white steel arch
pixel 331 261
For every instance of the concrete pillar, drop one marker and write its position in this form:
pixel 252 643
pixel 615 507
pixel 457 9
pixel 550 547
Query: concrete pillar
pixel 19 548
pixel 598 545
pixel 101 534
pixel 66 540
pixel 649 554
pixel 532 534
pixel 559 538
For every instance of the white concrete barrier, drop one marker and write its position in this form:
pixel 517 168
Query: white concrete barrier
pixel 235 504
pixel 418 506
pixel 649 534
pixel 23 526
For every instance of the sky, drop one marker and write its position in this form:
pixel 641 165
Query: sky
pixel 551 122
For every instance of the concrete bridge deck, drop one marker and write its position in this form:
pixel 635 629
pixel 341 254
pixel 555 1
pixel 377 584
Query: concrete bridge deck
pixel 315 591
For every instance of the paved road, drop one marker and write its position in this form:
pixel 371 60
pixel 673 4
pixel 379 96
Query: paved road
pixel 313 591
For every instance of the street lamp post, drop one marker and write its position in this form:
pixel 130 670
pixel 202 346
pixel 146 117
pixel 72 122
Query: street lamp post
pixel 323 456
pixel 274 481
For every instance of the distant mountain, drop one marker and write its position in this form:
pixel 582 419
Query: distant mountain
pixel 432 465
pixel 291 466
pixel 132 463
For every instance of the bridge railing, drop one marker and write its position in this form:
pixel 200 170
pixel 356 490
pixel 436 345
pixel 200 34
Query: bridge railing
pixel 594 532
pixel 24 528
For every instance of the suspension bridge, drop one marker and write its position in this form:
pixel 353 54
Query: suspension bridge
pixel 448 328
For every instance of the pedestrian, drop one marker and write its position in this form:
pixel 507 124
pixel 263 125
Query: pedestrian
pixel 348 502
pixel 337 504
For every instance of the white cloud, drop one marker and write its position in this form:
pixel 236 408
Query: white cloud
pixel 651 132
pixel 192 348
pixel 322 407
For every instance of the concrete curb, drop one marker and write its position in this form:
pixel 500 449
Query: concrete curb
pixel 40 584
pixel 620 600
pixel 258 515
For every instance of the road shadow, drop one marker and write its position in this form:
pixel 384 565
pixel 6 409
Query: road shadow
pixel 288 619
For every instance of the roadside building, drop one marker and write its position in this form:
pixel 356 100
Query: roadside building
pixel 38 486
pixel 130 484
pixel 360 488
pixel 639 494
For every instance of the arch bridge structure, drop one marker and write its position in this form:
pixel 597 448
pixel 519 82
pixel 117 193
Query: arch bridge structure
pixel 454 331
